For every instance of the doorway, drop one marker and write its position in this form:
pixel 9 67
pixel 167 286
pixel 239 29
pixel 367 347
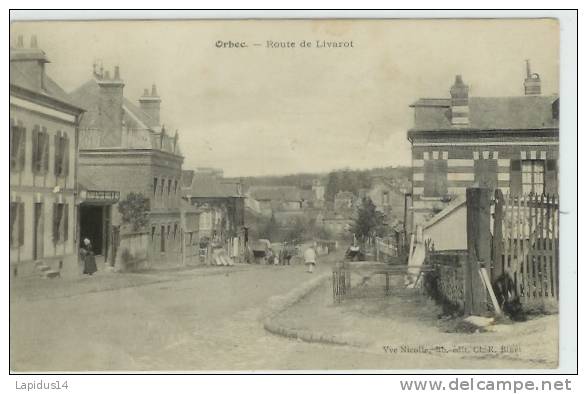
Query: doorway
pixel 92 227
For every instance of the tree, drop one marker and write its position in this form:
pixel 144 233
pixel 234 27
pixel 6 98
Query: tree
pixel 332 186
pixel 268 229
pixel 369 221
pixel 134 210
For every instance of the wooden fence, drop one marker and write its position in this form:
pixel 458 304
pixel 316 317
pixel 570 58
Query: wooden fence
pixel 526 246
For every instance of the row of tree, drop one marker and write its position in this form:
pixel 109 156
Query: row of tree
pixel 346 180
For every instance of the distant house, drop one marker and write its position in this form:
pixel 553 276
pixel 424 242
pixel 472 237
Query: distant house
pixel 344 200
pixel 386 196
pixel 510 143
pixel 272 198
pixel 221 202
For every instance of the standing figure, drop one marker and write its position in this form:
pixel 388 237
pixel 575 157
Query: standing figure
pixel 310 258
pixel 88 258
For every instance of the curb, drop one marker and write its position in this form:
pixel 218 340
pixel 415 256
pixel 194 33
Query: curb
pixel 279 304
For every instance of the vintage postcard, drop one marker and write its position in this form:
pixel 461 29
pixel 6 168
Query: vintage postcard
pixel 268 195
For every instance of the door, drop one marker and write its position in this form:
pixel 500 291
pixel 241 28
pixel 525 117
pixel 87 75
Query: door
pixel 38 231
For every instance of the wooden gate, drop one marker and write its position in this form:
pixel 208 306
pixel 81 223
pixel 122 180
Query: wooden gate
pixel 526 247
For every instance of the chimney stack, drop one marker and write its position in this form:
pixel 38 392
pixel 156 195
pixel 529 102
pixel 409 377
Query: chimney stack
pixel 30 61
pixel 532 82
pixel 459 102
pixel 110 104
pixel 151 105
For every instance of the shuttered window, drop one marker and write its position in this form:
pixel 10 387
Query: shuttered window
pixel 435 178
pixel 40 156
pixel 61 154
pixel 16 224
pixel 486 173
pixel 60 222
pixel 551 177
pixel 17 147
pixel 155 186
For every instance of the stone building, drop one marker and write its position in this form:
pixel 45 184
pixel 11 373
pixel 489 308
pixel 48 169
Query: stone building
pixel 509 143
pixel 125 147
pixel 43 174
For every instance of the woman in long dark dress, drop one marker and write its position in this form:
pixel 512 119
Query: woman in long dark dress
pixel 88 257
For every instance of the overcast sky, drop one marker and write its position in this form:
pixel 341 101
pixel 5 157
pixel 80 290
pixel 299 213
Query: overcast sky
pixel 260 111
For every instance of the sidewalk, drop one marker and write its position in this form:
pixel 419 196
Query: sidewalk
pixel 35 287
pixel 408 322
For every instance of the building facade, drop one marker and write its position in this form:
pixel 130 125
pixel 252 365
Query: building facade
pixel 510 143
pixel 43 175
pixel 125 147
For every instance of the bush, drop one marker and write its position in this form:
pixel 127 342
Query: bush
pixel 134 210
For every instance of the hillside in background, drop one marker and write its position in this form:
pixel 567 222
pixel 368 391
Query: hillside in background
pixel 348 179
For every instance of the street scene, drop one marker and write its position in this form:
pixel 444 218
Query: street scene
pixel 237 196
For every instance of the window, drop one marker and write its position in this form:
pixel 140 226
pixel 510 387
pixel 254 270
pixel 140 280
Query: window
pixel 16 224
pixel 17 147
pixel 162 239
pixel 435 178
pixel 155 186
pixel 175 187
pixel 486 173
pixel 533 176
pixel 162 185
pixel 152 233
pixel 169 187
pixel 168 230
pixel 385 198
pixel 40 156
pixel 60 222
pixel 174 230
pixel 61 154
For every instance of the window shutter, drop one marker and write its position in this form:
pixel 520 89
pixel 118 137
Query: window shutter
pixel 441 177
pixel 35 156
pixel 13 217
pixel 65 154
pixel 45 151
pixel 65 221
pixel 551 177
pixel 515 177
pixel 55 223
pixel 21 223
pixel 429 182
pixel 21 148
pixel 14 147
pixel 57 144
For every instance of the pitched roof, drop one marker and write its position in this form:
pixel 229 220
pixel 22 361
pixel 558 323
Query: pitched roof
pixel 275 193
pixel 490 113
pixel 21 79
pixel 206 186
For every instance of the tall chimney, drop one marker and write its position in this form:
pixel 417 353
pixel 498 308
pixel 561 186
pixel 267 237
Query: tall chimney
pixel 532 82
pixel 110 108
pixel 30 61
pixel 151 105
pixel 459 102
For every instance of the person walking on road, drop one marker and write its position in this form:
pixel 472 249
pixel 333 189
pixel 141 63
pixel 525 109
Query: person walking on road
pixel 310 258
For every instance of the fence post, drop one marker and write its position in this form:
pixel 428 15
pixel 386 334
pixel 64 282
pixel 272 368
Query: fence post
pixel 478 247
pixel 498 265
